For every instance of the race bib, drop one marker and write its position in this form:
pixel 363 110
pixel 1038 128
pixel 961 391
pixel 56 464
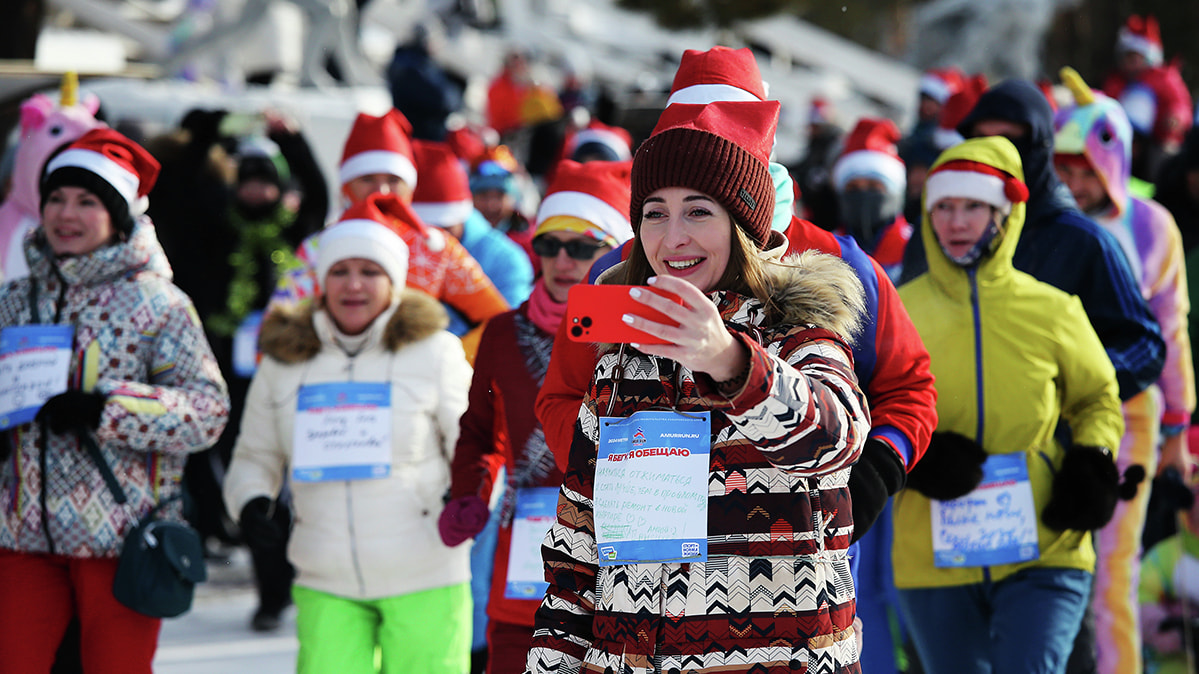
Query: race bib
pixel 536 509
pixel 35 361
pixel 651 488
pixel 342 432
pixel 994 524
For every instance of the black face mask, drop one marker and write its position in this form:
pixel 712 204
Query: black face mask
pixel 862 215
pixel 254 212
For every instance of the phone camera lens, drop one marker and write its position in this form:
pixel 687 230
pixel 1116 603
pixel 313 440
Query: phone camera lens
pixel 586 321
pixel 576 331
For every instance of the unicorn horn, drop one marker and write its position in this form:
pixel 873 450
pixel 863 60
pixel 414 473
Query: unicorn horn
pixel 1077 86
pixel 69 90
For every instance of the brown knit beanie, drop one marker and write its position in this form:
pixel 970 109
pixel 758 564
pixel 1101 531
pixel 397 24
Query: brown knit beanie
pixel 721 149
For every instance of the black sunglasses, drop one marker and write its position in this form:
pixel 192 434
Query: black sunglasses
pixel 547 246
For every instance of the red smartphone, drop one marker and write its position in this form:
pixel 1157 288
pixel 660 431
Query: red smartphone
pixel 593 314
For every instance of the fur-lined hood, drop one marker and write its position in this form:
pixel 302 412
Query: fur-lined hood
pixel 290 335
pixel 806 288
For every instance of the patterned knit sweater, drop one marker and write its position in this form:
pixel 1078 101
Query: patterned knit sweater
pixel 776 591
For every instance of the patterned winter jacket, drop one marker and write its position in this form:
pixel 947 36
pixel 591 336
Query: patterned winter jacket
pixel 776 591
pixel 139 342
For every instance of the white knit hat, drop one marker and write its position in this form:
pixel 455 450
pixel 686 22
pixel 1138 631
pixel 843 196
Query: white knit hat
pixel 366 239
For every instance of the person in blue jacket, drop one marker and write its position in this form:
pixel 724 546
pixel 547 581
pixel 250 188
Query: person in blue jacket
pixel 1060 245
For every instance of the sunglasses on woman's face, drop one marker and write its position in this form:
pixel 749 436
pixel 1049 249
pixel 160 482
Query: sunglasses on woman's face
pixel 547 246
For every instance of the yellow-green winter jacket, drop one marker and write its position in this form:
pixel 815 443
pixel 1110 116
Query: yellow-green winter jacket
pixel 1010 355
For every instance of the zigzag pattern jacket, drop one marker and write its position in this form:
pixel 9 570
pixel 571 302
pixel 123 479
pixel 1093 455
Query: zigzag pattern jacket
pixel 776 590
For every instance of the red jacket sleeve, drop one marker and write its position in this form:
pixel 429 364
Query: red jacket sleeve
pixel 572 365
pixel 903 400
pixel 482 446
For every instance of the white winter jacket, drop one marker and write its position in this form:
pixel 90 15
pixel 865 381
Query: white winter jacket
pixel 370 538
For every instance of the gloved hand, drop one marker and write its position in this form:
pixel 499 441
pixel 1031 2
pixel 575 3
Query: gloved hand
pixel 260 528
pixel 872 480
pixel 1085 491
pixel 72 410
pixel 463 518
pixel 951 467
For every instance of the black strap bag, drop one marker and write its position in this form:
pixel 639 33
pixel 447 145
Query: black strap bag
pixel 161 560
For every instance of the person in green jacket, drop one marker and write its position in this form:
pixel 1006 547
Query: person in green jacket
pixel 992 551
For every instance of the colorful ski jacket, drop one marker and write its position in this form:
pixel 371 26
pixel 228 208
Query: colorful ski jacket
pixel 138 341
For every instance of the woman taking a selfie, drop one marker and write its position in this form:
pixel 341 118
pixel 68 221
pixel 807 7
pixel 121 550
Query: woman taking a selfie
pixel 704 515
pixel 143 390
pixel 357 399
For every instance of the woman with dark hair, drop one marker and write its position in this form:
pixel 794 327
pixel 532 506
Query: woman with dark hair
pixel 142 391
pixel 704 517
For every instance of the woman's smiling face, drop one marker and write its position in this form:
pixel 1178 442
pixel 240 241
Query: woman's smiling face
pixel 75 221
pixel 686 234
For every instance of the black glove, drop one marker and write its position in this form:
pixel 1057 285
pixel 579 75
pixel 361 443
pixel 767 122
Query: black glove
pixel 72 410
pixel 872 480
pixel 951 467
pixel 262 528
pixel 5 446
pixel 1085 491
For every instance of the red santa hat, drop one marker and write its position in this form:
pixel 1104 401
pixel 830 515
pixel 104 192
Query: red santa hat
pixel 967 179
pixel 871 152
pixel 721 149
pixel 821 111
pixel 955 110
pixel 591 198
pixel 442 197
pixel 379 145
pixel 941 83
pixel 611 141
pixel 1143 36
pixel 364 232
pixel 114 168
pixel 719 74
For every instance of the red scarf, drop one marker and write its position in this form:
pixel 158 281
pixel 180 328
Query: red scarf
pixel 544 311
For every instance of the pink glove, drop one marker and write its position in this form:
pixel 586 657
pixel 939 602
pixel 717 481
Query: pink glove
pixel 463 518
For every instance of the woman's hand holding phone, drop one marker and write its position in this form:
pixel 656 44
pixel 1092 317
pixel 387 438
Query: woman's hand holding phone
pixel 700 341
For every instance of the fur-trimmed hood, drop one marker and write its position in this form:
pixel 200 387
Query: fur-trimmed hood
pixel 290 335
pixel 806 288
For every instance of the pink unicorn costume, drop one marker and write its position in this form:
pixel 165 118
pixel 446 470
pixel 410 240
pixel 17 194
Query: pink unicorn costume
pixel 1097 129
pixel 45 127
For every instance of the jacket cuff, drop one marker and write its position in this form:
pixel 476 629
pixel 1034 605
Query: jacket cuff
pixel 753 391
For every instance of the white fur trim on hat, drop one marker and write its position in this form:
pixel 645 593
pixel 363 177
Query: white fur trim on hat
pixel 934 87
pixel 123 181
pixel 587 207
pixel 702 94
pixel 1130 41
pixel 443 213
pixel 606 138
pixel 870 164
pixel 378 161
pixel 364 239
pixel 966 185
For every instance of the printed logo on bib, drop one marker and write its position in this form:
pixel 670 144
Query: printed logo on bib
pixel 651 488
